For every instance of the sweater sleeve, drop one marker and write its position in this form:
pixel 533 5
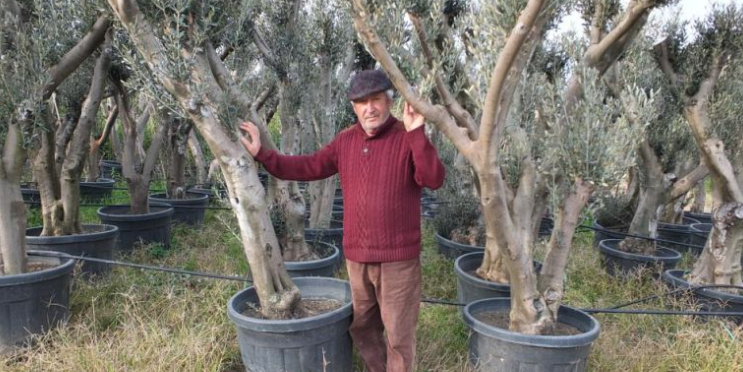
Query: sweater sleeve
pixel 429 171
pixel 322 164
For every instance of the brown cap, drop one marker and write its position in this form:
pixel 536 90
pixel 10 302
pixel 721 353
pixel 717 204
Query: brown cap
pixel 368 82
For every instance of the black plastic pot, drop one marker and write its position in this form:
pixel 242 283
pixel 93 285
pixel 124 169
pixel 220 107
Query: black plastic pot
pixel 677 234
pixel 470 287
pixel 110 169
pixel 35 302
pixel 96 191
pixel 451 249
pixel 214 193
pixel 500 350
pixel 325 266
pixel 699 234
pixel 617 262
pixel 546 224
pixel 317 344
pixel 611 232
pixel 707 298
pixel 30 194
pixel 98 241
pixel 153 227
pixel 189 210
pixel 701 217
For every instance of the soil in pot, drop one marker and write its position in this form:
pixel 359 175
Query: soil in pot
pixel 501 320
pixel 307 308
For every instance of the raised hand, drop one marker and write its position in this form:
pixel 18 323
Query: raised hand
pixel 252 142
pixel 411 118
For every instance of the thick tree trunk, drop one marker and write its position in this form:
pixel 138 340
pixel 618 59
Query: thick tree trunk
pixel 322 196
pixel 552 277
pixel 720 260
pixel 178 131
pixel 700 198
pixel 12 207
pixel 96 142
pixel 288 198
pixel 194 148
pixel 12 227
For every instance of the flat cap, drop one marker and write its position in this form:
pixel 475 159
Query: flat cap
pixel 368 82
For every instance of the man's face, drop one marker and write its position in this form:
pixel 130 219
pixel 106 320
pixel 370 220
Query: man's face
pixel 372 110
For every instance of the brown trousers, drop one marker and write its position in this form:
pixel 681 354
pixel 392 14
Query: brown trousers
pixel 386 297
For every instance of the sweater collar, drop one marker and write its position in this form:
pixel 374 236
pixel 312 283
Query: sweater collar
pixel 383 128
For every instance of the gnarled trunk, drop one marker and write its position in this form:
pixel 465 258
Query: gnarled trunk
pixel 199 160
pixel 12 207
pixel 322 197
pixel 720 260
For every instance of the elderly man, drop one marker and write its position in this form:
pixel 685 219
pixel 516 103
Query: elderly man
pixel 383 165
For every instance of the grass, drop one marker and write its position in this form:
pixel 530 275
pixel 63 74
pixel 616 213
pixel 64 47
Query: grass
pixel 148 321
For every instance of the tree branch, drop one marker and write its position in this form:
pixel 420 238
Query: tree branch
pixel 614 43
pixel 661 56
pixel 73 58
pixel 107 129
pixel 506 58
pixel 154 151
pixel 683 185
pixel 462 116
pixel 708 85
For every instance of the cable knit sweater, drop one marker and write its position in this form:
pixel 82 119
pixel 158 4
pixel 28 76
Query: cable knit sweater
pixel 381 176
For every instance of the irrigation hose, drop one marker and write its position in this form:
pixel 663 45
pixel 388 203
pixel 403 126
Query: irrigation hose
pixel 611 310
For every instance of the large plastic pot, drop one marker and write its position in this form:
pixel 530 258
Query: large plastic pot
pixel 453 250
pixel 317 344
pixel 611 232
pixel 699 234
pixel 494 349
pixel 33 303
pixel 97 241
pixel 98 190
pixel 709 299
pixel 472 288
pixel 30 194
pixel 110 169
pixel 189 210
pixel 618 262
pixel 701 217
pixel 134 229
pixel 676 234
pixel 324 266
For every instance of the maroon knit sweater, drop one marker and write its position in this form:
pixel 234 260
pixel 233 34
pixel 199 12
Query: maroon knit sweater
pixel 381 177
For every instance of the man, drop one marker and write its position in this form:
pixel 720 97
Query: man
pixel 383 165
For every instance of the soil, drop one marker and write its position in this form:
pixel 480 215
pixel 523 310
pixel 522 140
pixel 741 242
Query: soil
pixel 501 320
pixel 308 307
pixel 474 235
pixel 639 246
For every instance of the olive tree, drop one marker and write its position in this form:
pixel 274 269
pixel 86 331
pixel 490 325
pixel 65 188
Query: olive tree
pixel 533 136
pixel 176 41
pixel 664 152
pixel 32 67
pixel 704 74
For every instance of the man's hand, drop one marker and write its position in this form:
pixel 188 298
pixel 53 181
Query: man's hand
pixel 411 118
pixel 252 144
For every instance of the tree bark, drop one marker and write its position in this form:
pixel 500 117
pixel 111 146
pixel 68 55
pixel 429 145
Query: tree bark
pixel 94 156
pixel 553 273
pixel 194 148
pixel 720 260
pixel 12 207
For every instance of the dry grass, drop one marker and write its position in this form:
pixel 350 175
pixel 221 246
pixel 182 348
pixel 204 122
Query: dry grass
pixel 145 321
